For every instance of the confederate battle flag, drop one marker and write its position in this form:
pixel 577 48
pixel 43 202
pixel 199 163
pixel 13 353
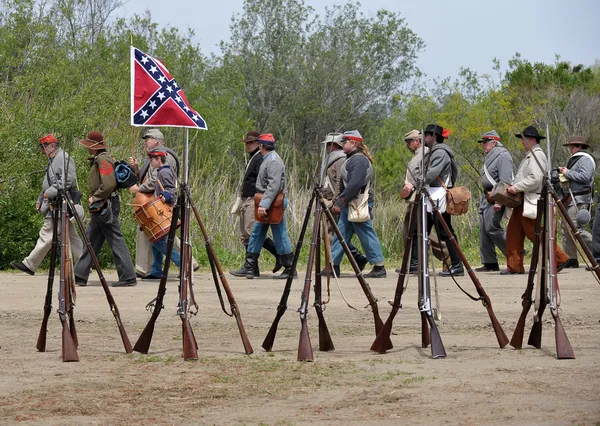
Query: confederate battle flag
pixel 156 98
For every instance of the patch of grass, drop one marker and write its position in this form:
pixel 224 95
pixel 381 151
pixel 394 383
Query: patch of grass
pixel 387 376
pixel 167 359
pixel 412 380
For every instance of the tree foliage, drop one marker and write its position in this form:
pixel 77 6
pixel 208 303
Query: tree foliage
pixel 64 68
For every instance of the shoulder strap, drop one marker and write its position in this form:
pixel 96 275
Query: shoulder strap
pixel 489 176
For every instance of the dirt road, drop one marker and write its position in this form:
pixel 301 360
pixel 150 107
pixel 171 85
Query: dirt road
pixel 477 383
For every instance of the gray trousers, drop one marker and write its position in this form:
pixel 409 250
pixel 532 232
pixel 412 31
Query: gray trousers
pixel 105 227
pixel 569 244
pixel 44 244
pixel 491 234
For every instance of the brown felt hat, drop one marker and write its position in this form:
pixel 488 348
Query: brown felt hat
pixel 577 140
pixel 94 140
pixel 251 136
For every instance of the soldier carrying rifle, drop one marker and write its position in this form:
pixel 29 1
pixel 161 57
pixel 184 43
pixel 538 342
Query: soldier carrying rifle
pixel 579 174
pixel 529 180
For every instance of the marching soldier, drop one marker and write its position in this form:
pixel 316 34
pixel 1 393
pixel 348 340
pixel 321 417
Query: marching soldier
pixel 497 167
pixel 580 174
pixel 441 169
pixel 356 175
pixel 270 182
pixel 144 258
pixel 104 211
pixel 529 180
pixel 246 209
pixel 56 177
pixel 414 143
pixel 331 187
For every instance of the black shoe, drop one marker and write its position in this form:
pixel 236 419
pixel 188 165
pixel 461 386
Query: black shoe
pixel 376 272
pixel 454 271
pixel 21 267
pixel 287 260
pixel 361 261
pixel 80 283
pixel 278 264
pixel 571 263
pixel 488 267
pixel 129 283
pixel 589 268
pixel 563 265
pixel 336 269
pixel 151 277
pixel 250 268
pixel 509 272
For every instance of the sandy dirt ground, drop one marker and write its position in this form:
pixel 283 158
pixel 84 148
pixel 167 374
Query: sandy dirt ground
pixel 477 383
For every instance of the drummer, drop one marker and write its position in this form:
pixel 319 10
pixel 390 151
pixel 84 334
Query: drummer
pixel 153 139
pixel 165 190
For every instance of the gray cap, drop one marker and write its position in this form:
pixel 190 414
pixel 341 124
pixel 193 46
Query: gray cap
pixel 334 138
pixel 489 136
pixel 353 135
pixel 153 134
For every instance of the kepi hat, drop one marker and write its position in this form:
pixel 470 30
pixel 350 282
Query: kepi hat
pixel 251 136
pixel 266 139
pixel 153 134
pixel 530 132
pixel 577 140
pixel 49 138
pixel 412 135
pixel 490 136
pixel 336 138
pixel 94 140
pixel 353 135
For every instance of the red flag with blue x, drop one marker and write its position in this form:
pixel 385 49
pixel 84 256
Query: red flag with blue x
pixel 156 98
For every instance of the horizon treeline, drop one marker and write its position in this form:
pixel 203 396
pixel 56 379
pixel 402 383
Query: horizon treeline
pixel 64 68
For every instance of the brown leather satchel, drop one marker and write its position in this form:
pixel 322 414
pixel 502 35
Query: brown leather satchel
pixel 457 199
pixel 275 212
pixel 500 195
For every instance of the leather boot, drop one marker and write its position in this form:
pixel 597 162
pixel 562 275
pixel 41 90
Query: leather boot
pixel 269 245
pixel 336 269
pixel 287 260
pixel 250 268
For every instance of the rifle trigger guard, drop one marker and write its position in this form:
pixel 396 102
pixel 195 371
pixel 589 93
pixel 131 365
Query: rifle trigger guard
pixel 150 305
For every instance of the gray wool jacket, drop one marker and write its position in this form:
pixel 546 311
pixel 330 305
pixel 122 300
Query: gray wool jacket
pixel 271 179
pixel 54 178
pixel 499 165
pixel 581 177
pixel 355 174
pixel 440 162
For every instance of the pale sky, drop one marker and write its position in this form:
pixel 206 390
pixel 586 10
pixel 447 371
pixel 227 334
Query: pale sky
pixel 468 33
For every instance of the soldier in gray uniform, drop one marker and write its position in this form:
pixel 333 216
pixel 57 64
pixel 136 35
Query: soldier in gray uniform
pixel 580 173
pixel 56 177
pixel 497 167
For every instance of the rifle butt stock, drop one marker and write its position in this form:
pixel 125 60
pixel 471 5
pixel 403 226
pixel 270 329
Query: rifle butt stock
pixel 72 329
pixel 325 341
pixel 535 336
pixel 500 334
pixel 305 352
pixel 381 342
pixel 69 350
pixel 245 340
pixel 425 335
pixel 379 325
pixel 267 344
pixel 190 347
pixel 564 350
pixel 517 338
pixel 143 342
pixel 41 341
pixel 437 347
